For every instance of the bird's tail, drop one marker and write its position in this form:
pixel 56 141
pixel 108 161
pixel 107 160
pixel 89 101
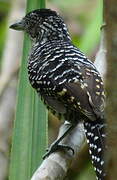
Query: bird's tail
pixel 95 133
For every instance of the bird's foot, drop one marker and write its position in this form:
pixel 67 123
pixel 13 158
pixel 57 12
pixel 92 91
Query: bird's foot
pixel 54 147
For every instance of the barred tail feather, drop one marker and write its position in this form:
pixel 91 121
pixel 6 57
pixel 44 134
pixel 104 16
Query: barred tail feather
pixel 95 133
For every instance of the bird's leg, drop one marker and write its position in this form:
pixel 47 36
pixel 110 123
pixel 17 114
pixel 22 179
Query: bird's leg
pixel 56 146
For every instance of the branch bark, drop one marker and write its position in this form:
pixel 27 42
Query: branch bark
pixel 110 15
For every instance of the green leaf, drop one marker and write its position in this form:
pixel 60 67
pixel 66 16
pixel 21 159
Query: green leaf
pixel 92 33
pixel 30 127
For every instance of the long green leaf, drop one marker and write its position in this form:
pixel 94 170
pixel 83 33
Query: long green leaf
pixel 30 128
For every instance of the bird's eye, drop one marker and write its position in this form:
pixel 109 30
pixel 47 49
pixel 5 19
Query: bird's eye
pixel 27 23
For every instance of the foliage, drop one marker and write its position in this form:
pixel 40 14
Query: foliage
pixel 29 137
pixel 4 9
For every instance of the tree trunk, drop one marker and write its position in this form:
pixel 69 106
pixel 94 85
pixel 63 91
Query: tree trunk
pixel 110 16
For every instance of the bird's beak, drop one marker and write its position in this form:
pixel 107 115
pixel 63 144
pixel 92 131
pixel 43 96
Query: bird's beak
pixel 19 26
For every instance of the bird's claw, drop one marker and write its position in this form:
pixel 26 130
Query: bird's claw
pixel 55 147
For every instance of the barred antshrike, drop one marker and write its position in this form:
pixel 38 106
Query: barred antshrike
pixel 68 82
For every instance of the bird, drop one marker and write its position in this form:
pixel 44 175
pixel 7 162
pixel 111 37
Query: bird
pixel 68 83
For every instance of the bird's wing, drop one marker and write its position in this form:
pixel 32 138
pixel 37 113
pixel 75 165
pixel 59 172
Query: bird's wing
pixel 75 82
pixel 88 93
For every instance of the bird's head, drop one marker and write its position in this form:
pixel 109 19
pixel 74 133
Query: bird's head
pixel 43 24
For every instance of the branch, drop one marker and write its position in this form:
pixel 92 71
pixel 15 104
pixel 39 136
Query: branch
pixel 110 15
pixel 100 60
pixel 58 163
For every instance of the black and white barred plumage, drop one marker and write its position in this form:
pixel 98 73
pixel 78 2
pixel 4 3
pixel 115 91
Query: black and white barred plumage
pixel 66 80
